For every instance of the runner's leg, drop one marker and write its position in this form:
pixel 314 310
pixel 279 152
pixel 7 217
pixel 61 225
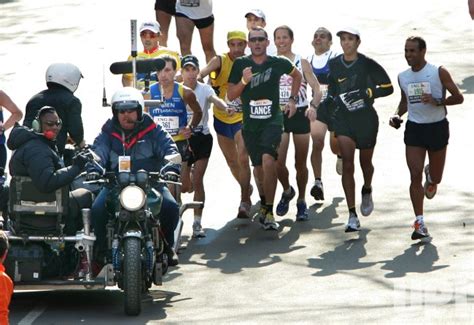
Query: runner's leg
pixel 301 142
pixel 437 160
pixel 347 147
pixel 282 170
pixel 184 31
pixel 415 157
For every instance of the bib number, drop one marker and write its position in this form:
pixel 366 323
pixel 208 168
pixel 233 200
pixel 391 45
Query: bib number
pixel 236 104
pixel 285 92
pixel 324 91
pixel 260 109
pixel 169 123
pixel 416 90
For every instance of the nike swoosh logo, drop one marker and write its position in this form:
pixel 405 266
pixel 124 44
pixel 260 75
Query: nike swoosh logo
pixel 341 79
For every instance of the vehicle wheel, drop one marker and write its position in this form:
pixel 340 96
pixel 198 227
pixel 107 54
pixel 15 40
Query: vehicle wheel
pixel 132 275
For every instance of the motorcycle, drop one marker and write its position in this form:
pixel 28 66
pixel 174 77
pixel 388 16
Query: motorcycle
pixel 43 257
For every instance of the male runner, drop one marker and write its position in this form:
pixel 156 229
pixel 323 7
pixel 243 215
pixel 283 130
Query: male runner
pixel 256 80
pixel 354 82
pixel 423 96
pixel 228 124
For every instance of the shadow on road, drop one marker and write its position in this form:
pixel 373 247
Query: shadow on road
pixel 343 257
pixel 419 258
pixel 243 244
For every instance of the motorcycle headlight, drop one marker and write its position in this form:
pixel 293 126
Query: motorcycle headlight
pixel 132 198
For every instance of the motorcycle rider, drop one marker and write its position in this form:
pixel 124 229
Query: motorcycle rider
pixel 62 80
pixel 35 155
pixel 132 135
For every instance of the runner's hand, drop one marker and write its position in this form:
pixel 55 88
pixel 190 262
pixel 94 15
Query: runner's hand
pixel 290 109
pixel 231 111
pixel 186 132
pixel 247 75
pixel 395 121
pixel 311 114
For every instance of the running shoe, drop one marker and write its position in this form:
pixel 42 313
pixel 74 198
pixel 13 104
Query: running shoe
pixel 198 232
pixel 244 210
pixel 353 223
pixel 269 222
pixel 420 231
pixel 284 204
pixel 317 190
pixel 367 205
pixel 302 211
pixel 430 188
pixel 339 165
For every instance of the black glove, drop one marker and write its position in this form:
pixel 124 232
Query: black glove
pixel 93 176
pixel 80 160
pixel 395 121
pixel 356 95
pixel 171 176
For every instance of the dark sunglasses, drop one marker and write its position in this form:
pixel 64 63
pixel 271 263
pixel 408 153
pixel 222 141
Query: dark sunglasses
pixel 257 39
pixel 57 123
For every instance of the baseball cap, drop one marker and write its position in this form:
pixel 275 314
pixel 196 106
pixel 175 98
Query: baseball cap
pixel 349 30
pixel 237 35
pixel 150 25
pixel 190 59
pixel 257 13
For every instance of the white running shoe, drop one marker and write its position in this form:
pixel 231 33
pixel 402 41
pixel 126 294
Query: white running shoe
pixel 269 222
pixel 353 223
pixel 198 232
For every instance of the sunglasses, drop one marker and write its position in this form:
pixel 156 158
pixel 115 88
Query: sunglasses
pixel 257 39
pixel 149 34
pixel 57 123
pixel 323 36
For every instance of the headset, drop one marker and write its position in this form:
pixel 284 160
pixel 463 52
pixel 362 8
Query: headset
pixel 36 124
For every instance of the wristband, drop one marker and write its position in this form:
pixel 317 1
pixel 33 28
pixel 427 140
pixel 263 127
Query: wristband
pixel 243 81
pixel 439 101
pixel 369 92
pixel 294 98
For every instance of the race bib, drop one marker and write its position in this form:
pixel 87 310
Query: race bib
pixel 169 123
pixel 416 90
pixel 355 106
pixel 189 3
pixel 124 164
pixel 285 92
pixel 261 109
pixel 324 91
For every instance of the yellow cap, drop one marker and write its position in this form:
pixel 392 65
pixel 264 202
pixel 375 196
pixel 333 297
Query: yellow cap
pixel 236 34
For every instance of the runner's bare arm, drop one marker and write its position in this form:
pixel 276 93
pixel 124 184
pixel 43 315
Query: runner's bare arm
pixel 235 90
pixel 395 120
pixel 447 81
pixel 312 81
pixel 218 102
pixel 190 99
pixel 16 114
pixel 213 65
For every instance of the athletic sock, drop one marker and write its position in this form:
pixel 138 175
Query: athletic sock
pixel 366 190
pixel 419 218
pixel 262 200
pixel 197 219
pixel 353 210
pixel 287 192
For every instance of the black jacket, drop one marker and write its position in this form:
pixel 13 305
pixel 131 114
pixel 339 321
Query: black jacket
pixel 36 157
pixel 68 108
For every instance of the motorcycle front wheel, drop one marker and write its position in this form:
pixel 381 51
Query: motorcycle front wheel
pixel 132 275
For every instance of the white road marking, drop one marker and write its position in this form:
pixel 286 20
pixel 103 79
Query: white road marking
pixel 33 315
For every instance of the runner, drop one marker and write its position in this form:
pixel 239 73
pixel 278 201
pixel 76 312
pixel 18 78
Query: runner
pixel 228 124
pixel 149 33
pixel 190 13
pixel 423 96
pixel 319 60
pixel 299 124
pixel 200 141
pixel 172 114
pixel 256 79
pixel 354 82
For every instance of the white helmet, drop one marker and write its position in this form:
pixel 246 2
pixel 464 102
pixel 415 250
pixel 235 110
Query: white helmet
pixel 64 74
pixel 128 98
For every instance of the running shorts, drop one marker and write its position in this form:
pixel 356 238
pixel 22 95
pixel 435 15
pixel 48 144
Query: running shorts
pixel 298 124
pixel 258 142
pixel 201 147
pixel 431 136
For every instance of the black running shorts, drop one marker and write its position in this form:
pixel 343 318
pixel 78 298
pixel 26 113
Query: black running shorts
pixel 431 136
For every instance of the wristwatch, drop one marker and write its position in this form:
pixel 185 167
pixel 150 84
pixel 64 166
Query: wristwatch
pixel 295 98
pixel 439 101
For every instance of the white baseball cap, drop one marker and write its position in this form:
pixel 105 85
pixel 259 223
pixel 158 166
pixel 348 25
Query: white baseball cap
pixel 151 26
pixel 349 30
pixel 257 13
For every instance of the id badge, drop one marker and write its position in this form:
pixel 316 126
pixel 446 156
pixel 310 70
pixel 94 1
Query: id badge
pixel 124 164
